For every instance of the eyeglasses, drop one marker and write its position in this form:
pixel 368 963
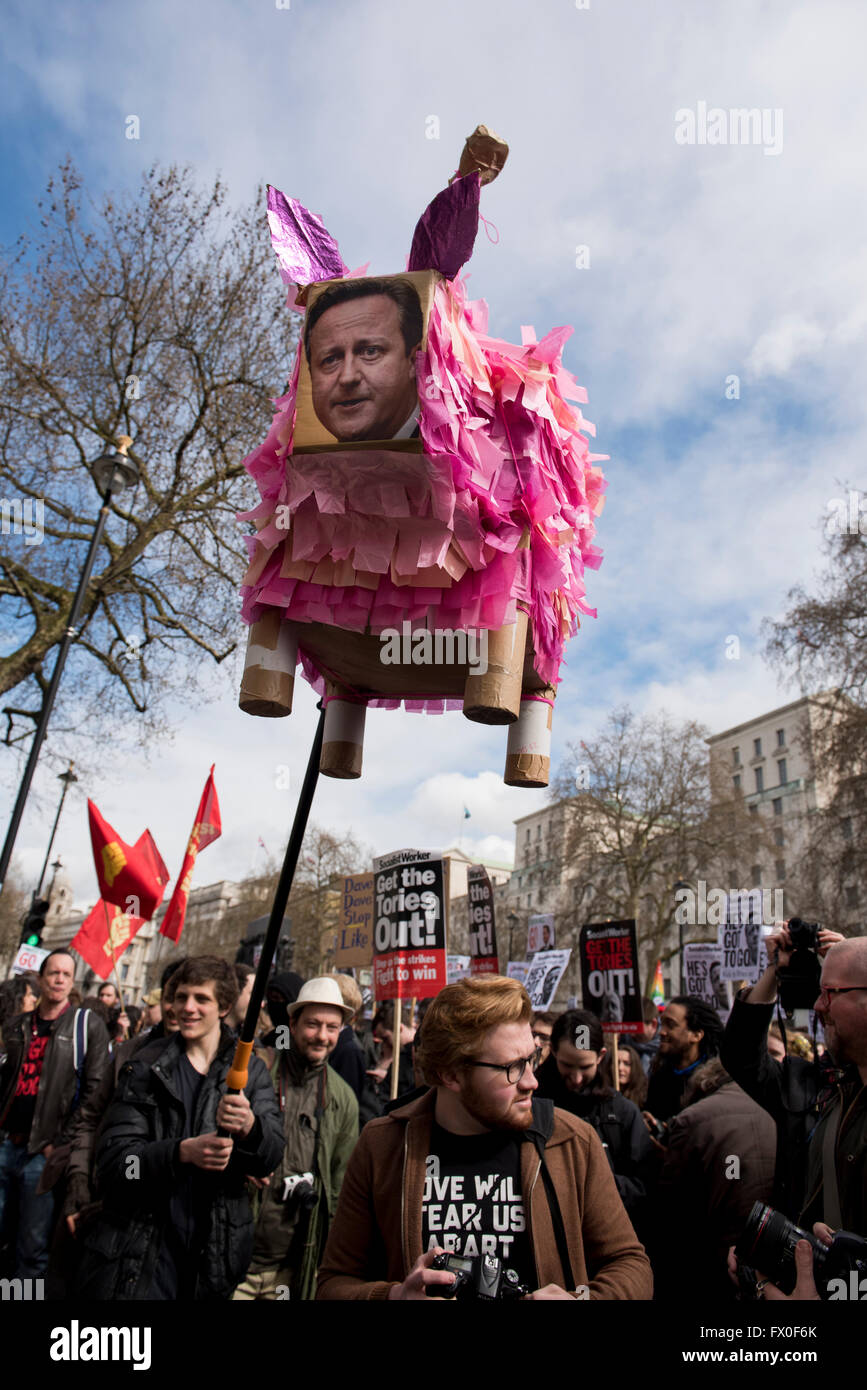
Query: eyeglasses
pixel 513 1070
pixel 828 994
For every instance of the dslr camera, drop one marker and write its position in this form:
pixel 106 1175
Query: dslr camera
pixel 483 1277
pixel 798 982
pixel 299 1192
pixel 768 1243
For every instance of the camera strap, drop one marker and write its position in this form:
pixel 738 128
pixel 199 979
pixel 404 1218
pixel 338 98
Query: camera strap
pixel 830 1191
pixel 556 1215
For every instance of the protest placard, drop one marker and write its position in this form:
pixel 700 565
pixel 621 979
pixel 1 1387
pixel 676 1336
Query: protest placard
pixel 354 935
pixel 544 976
pixel 409 934
pixel 739 936
pixel 483 935
pixel 457 968
pixel 609 974
pixel 702 977
pixel 540 934
pixel 518 970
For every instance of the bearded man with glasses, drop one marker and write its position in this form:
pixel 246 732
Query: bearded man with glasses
pixel 480 1168
pixel 820 1107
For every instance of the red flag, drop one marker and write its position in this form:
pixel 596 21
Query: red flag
pixel 104 935
pixel 125 871
pixel 206 829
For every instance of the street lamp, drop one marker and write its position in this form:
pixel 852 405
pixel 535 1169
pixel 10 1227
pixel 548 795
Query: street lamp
pixel 67 778
pixel 112 472
pixel 512 920
pixel 679 886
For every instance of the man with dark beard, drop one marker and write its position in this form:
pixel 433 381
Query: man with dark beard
pixel 479 1168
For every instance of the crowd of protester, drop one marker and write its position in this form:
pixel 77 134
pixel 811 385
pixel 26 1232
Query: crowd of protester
pixel 531 1154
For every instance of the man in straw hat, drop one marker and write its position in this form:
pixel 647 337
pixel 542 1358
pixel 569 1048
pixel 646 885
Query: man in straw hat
pixel 320 1122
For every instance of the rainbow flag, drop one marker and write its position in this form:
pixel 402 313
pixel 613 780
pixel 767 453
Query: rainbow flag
pixel 657 992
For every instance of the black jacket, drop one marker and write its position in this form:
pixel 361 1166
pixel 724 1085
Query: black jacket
pixel 620 1127
pixel 145 1122
pixel 58 1117
pixel 798 1095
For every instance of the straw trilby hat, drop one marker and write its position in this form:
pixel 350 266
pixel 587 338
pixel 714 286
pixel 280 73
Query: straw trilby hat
pixel 323 990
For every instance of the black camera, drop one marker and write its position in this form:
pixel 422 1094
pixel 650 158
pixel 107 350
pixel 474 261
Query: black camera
pixel 484 1277
pixel 768 1243
pixel 299 1192
pixel 799 981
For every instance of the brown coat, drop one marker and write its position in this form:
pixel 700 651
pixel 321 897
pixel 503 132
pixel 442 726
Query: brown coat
pixel 376 1236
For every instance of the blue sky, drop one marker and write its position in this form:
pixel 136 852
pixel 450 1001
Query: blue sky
pixel 706 261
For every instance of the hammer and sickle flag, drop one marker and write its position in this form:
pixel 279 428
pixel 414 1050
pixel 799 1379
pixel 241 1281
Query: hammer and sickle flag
pixel 207 827
pixel 104 935
pixel 133 877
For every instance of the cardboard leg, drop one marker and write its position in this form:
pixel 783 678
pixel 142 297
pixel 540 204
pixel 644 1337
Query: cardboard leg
pixel 495 696
pixel 269 671
pixel 528 754
pixel 343 740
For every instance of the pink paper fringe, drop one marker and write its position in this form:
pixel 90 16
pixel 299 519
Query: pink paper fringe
pixel 505 455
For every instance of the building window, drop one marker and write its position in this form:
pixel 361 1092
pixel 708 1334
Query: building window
pixel 756 874
pixel 780 869
pixel 754 809
pixel 528 834
pixel 852 896
pixel 757 747
pixel 781 768
pixel 777 804
pixel 781 738
pixel 539 831
pixel 846 827
pixel 737 782
pixel 760 779
pixel 736 757
pixel 778 837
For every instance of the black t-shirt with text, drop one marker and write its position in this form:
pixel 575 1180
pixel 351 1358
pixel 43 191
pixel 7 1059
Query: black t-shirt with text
pixel 472 1203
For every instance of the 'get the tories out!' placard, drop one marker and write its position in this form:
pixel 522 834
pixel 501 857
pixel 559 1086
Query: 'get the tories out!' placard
pixel 410 890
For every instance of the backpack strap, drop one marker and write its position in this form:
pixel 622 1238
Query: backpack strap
pixel 79 1050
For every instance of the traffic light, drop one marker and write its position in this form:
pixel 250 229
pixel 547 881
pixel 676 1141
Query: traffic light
pixel 34 923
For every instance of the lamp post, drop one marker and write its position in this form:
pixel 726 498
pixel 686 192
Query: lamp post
pixel 112 472
pixel 67 778
pixel 680 884
pixel 512 920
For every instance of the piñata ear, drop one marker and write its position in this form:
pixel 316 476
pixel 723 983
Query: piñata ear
pixel 446 231
pixel 305 249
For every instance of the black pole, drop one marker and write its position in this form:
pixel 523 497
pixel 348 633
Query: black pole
pixel 48 703
pixel 237 1076
pixel 65 778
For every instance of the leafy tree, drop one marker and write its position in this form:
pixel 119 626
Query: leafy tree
pixel 158 316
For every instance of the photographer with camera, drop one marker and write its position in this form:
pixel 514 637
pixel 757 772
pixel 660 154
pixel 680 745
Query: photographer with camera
pixel 320 1123
pixel 820 1108
pixel 477 1188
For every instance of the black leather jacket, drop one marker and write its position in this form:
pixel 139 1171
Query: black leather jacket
pixel 54 1121
pixel 145 1121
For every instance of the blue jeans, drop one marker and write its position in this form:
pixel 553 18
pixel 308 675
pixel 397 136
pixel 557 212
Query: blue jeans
pixel 20 1171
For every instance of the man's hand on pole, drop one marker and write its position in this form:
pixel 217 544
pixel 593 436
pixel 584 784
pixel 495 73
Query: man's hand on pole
pixel 208 1151
pixel 235 1115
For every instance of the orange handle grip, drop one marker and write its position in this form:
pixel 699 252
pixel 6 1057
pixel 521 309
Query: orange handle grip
pixel 236 1079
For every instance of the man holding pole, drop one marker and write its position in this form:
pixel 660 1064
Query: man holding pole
pixel 176 1221
pixel 479 1168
